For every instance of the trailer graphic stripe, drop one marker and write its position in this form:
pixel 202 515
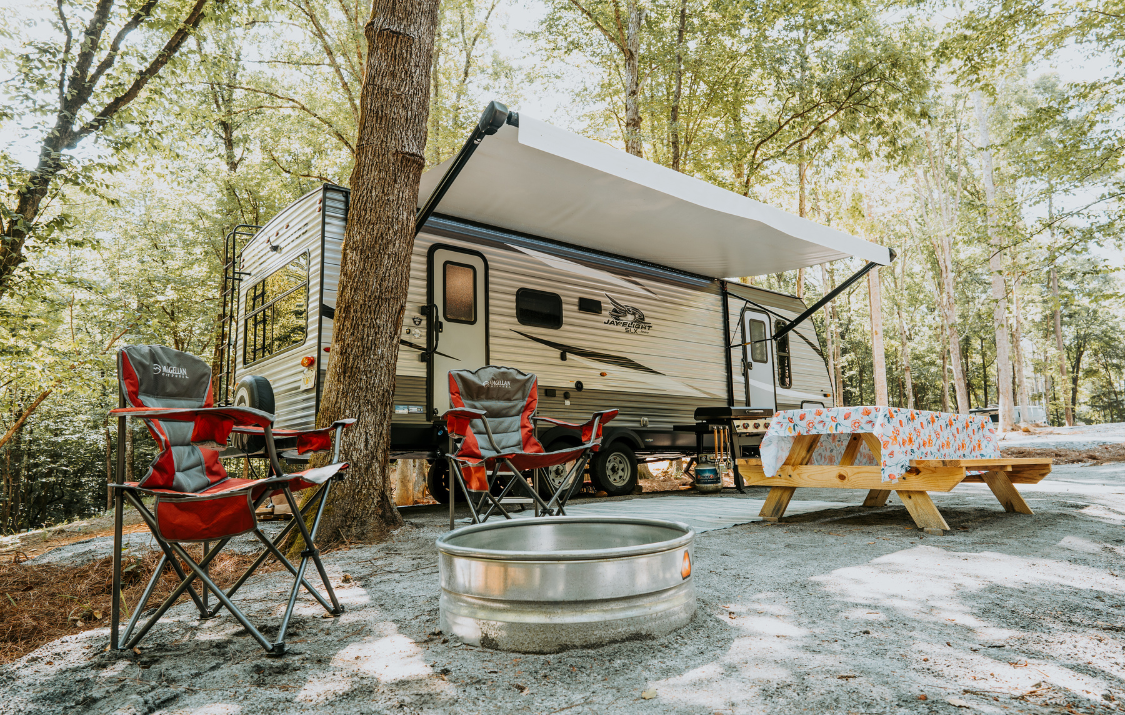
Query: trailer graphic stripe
pixel 608 358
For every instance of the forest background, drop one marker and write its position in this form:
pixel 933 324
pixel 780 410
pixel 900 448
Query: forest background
pixel 981 141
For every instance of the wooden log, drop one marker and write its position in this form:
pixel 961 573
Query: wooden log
pixel 924 512
pixel 1005 493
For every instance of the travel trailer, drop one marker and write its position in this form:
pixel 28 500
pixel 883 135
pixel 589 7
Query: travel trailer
pixel 602 273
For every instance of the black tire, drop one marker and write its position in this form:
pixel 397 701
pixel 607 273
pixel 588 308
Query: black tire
pixel 252 391
pixel 615 469
pixel 548 482
pixel 437 482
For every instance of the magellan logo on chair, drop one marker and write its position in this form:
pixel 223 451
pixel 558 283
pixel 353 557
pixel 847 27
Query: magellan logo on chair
pixel 169 370
pixel 498 383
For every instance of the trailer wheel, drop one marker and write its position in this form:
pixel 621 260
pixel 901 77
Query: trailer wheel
pixel 615 469
pixel 255 392
pixel 437 482
pixel 551 477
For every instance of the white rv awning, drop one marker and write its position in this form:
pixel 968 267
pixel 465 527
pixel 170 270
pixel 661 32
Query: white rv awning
pixel 545 181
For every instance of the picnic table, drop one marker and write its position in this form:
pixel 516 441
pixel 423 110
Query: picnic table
pixel 885 449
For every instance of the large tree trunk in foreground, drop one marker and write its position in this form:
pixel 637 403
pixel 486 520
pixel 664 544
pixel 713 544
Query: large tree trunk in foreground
pixel 996 268
pixel 375 267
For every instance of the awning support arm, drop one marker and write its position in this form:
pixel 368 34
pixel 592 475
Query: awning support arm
pixel 824 301
pixel 495 116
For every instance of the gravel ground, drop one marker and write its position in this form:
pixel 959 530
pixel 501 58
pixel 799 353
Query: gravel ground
pixel 836 611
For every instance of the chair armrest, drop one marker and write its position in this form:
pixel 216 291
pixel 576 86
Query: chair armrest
pixel 313 440
pixel 238 416
pixel 212 426
pixel 457 421
pixel 591 429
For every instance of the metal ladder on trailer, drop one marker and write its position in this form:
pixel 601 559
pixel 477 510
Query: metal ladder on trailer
pixel 228 329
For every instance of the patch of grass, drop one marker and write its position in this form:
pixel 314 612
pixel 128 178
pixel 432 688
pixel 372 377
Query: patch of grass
pixel 40 603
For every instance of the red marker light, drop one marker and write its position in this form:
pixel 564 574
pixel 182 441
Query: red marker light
pixel 308 361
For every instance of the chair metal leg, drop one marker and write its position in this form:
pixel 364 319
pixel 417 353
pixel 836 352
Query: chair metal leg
pixel 184 585
pixel 310 542
pixel 455 472
pixel 118 525
pixel 140 607
pixel 292 569
pixel 151 521
pixel 271 648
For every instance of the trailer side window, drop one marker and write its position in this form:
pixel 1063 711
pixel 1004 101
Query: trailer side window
pixel 784 363
pixel 460 292
pixel 539 309
pixel 277 311
pixel 759 350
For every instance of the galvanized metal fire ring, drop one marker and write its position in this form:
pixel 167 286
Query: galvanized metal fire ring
pixel 551 584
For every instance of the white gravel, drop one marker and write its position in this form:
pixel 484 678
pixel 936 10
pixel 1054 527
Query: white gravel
pixel 837 611
pixel 1078 437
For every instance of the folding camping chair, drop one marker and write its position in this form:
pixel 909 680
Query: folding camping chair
pixel 492 425
pixel 193 498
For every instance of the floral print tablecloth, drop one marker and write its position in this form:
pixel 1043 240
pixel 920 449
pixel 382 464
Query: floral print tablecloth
pixel 904 435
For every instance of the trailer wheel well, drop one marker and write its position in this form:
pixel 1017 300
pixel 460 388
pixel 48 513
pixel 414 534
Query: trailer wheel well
pixel 609 436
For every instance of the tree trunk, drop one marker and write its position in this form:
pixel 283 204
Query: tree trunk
pixel 905 338
pixel 1021 376
pixel 375 266
pixel 129 451
pixel 944 380
pixel 633 143
pixel 943 251
pixel 878 357
pixel 996 267
pixel 830 330
pixel 108 464
pixel 1064 373
pixel 674 114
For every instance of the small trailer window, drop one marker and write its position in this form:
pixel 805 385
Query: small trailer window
pixel 277 311
pixel 460 292
pixel 784 363
pixel 539 309
pixel 759 350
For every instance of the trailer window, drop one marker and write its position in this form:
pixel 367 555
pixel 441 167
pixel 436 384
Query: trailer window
pixel 460 292
pixel 784 363
pixel 277 311
pixel 759 349
pixel 539 309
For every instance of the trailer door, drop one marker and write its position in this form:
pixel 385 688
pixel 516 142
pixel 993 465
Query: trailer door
pixel 458 334
pixel 757 360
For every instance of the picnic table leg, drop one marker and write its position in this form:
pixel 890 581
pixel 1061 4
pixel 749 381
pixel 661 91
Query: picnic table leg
pixel 1005 492
pixel 778 499
pixel 924 512
pixel 877 497
pixel 776 502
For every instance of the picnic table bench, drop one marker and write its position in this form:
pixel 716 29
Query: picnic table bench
pixel 910 452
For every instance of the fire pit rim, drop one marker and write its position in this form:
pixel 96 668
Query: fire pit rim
pixel 602 554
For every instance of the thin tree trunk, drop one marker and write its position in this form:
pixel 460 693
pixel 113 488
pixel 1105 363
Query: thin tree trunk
pixel 633 143
pixel 878 357
pixel 906 372
pixel 996 267
pixel 943 251
pixel 677 94
pixel 1064 373
pixel 830 330
pixel 375 266
pixel 945 379
pixel 108 463
pixel 129 452
pixel 1021 376
pixel 27 413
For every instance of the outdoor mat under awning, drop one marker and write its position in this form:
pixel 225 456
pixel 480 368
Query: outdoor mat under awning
pixel 702 513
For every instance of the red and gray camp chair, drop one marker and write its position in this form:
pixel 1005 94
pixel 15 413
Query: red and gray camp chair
pixel 193 499
pixel 493 425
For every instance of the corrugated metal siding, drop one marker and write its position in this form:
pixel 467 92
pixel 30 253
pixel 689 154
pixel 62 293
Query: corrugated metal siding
pixel 684 344
pixel 295 229
pixel 810 371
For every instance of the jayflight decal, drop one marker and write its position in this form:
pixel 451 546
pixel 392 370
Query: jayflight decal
pixel 628 317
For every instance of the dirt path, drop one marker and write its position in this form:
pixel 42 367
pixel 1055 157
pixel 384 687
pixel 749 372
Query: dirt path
pixel 838 611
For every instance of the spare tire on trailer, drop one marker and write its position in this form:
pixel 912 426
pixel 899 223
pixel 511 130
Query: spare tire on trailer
pixel 252 391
